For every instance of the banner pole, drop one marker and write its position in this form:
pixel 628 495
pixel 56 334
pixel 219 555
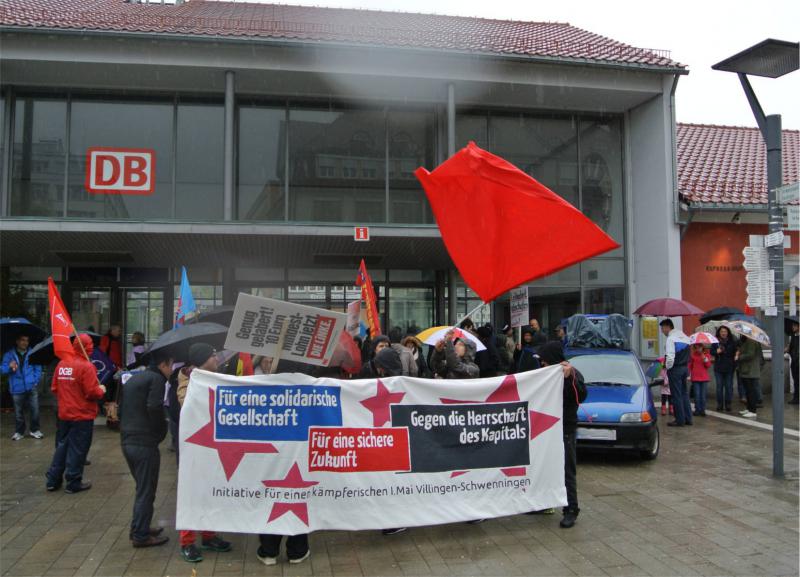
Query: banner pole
pixel 281 338
pixel 85 354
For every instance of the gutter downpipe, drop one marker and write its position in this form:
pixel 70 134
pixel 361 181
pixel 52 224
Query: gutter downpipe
pixel 675 199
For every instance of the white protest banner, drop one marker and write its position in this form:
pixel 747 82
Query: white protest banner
pixel 311 333
pixel 288 454
pixel 519 307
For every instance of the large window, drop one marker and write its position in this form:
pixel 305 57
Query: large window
pixel 337 162
pixel 40 145
pixel 410 309
pixel 411 145
pixel 127 125
pixel 199 168
pixel 262 163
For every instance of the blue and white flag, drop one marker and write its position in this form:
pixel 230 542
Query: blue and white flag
pixel 185 300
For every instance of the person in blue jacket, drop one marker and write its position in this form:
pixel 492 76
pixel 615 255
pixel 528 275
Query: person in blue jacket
pixel 23 382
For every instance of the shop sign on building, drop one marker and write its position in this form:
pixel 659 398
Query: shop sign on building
pixel 120 170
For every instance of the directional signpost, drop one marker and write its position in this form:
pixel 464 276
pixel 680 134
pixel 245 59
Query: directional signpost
pixel 760 279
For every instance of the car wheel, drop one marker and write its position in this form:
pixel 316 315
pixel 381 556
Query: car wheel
pixel 652 452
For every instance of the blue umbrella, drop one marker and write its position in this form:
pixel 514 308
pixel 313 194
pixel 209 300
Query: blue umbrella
pixel 13 327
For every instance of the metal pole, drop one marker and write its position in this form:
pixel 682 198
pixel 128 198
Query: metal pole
pixel 228 170
pixel 774 160
pixel 452 297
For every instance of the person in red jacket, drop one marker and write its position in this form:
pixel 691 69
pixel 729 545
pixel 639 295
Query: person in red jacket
pixel 77 390
pixel 699 361
pixel 111 344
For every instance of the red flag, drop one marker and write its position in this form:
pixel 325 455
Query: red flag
pixel 501 227
pixel 347 355
pixel 60 323
pixel 368 295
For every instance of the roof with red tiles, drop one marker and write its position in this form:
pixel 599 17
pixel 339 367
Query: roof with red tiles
pixel 728 164
pixel 241 20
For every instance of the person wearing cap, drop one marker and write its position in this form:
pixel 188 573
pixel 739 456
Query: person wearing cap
pixel 201 356
pixel 77 391
pixel 552 353
pixel 143 426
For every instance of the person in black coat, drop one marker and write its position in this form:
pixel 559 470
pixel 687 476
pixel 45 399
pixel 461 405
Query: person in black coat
pixel 793 348
pixel 368 370
pixel 488 360
pixel 552 353
pixel 143 427
pixel 724 365
pixel 526 357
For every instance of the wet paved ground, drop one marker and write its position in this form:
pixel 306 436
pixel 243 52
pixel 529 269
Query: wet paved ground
pixel 706 506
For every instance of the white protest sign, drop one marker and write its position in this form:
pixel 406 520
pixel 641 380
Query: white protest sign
pixel 311 333
pixel 288 454
pixel 519 307
pixel 354 318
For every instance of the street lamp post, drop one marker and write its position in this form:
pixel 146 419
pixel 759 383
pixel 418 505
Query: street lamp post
pixel 770 58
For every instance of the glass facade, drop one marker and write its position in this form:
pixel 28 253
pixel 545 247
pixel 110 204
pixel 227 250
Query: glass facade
pixel 199 163
pixel 261 178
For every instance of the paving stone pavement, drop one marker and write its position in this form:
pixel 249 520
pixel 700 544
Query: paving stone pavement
pixel 707 506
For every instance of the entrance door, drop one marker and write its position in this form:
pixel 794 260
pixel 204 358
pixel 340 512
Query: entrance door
pixel 143 312
pixel 91 309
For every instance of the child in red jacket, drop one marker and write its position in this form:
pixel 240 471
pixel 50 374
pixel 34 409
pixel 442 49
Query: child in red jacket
pixel 699 361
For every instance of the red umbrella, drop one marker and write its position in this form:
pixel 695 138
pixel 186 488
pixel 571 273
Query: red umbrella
pixel 668 308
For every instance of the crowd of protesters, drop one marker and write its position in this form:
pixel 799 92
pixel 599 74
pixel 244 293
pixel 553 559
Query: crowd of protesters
pixel 150 400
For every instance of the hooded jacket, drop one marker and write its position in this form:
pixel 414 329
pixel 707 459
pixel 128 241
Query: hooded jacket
pixel 527 359
pixel 698 366
pixel 75 384
pixel 26 377
pixel 750 356
pixel 448 364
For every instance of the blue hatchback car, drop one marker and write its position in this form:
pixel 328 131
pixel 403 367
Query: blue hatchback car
pixel 618 412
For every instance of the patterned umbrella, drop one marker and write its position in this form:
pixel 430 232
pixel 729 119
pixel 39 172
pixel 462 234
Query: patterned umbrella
pixel 433 335
pixel 703 338
pixel 749 330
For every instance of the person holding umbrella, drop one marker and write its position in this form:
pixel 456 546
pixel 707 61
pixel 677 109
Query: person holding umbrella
pixel 699 362
pixel 677 360
pixel 749 358
pixel 23 383
pixel 724 352
pixel 793 348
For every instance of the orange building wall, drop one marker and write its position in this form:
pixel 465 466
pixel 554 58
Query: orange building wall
pixel 712 274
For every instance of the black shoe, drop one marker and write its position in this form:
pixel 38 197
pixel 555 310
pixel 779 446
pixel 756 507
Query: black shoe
pixel 191 554
pixel 759 404
pixel 216 544
pixel 701 414
pixel 728 409
pixel 78 488
pixel 674 424
pixel 688 423
pixel 719 408
pixel 151 541
pixel 394 531
pixel 154 532
pixel 569 518
pixel 794 402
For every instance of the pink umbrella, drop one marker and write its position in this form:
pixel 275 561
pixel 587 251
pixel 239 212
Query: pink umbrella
pixel 668 307
pixel 703 338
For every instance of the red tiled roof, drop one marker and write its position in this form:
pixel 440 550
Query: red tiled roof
pixel 728 164
pixel 333 25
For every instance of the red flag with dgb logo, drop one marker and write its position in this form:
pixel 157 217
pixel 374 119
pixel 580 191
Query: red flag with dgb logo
pixel 60 323
pixel 502 227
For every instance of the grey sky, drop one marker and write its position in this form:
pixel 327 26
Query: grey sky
pixel 699 33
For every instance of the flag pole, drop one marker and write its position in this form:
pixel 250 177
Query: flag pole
pixel 281 338
pixel 83 350
pixel 470 313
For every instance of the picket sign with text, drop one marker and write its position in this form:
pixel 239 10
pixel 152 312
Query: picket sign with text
pixel 289 454
pixel 311 333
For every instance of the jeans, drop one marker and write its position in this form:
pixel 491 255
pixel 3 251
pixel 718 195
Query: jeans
pixel 144 464
pixel 74 440
pixel 680 395
pixel 31 400
pixel 571 471
pixel 296 545
pixel 700 390
pixel 751 389
pixel 724 389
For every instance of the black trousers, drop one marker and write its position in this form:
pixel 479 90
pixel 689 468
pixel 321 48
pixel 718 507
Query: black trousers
pixel 794 368
pixel 144 463
pixel 751 391
pixel 571 471
pixel 296 545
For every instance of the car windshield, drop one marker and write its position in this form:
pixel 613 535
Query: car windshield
pixel 608 369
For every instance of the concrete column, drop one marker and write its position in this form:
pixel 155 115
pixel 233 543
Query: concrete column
pixel 229 119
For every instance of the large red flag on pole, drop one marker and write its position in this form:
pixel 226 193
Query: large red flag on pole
pixel 60 323
pixel 503 228
pixel 368 295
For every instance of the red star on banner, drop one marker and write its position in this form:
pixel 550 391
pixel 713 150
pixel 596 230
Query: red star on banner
pixel 508 392
pixel 292 480
pixel 379 404
pixel 230 453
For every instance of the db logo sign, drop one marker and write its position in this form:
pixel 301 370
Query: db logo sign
pixel 65 371
pixel 120 170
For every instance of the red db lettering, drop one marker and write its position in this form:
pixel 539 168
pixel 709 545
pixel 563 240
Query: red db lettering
pixel 99 169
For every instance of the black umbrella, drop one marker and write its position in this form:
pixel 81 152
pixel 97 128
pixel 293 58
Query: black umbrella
pixel 788 322
pixel 176 342
pixel 43 353
pixel 13 327
pixel 219 315
pixel 720 314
